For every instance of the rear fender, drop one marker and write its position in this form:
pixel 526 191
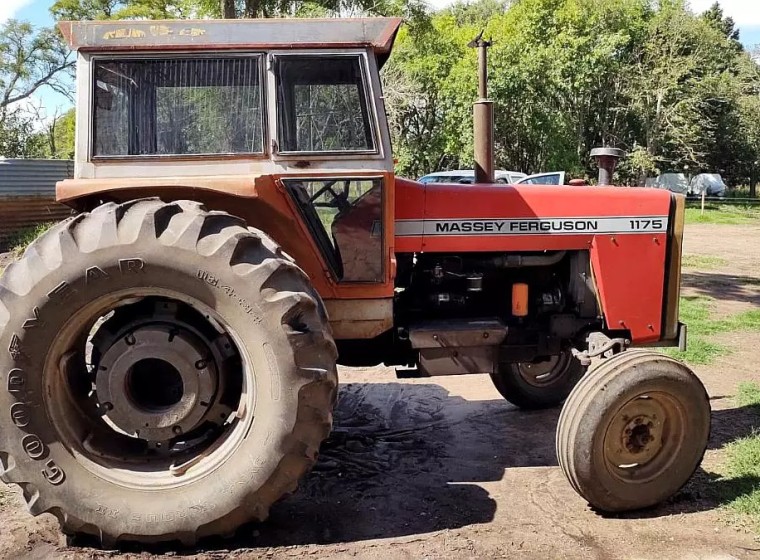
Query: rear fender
pixel 260 200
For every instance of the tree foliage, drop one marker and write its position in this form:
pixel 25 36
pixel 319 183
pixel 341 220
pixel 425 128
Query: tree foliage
pixel 167 9
pixel 19 138
pixel 30 59
pixel 670 87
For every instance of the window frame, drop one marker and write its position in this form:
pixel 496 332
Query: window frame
pixel 369 95
pixel 322 242
pixel 261 57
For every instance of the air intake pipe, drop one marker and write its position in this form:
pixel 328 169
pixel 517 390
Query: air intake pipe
pixel 607 160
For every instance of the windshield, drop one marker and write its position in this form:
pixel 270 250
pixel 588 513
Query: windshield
pixel 177 106
pixel 322 104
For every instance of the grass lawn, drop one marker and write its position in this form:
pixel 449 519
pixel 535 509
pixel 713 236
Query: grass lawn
pixel 696 312
pixel 723 214
pixel 703 262
pixel 742 467
pixel 738 487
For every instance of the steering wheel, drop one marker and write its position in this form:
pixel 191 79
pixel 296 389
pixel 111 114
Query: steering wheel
pixel 340 200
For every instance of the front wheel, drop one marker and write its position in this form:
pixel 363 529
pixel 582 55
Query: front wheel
pixel 633 431
pixel 170 373
pixel 542 383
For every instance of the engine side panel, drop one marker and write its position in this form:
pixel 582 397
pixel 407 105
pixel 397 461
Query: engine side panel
pixel 625 231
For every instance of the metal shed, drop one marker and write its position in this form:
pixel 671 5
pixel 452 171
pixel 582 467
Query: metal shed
pixel 27 193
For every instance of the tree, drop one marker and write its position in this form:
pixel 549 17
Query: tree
pixel 726 25
pixel 422 110
pixel 126 9
pixel 569 75
pixel 18 137
pixel 59 134
pixel 230 9
pixel 31 59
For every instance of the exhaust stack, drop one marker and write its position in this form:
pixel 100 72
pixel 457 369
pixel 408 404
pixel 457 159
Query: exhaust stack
pixel 483 116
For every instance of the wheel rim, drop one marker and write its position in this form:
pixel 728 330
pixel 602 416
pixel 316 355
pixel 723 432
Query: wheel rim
pixel 148 389
pixel 644 437
pixel 544 372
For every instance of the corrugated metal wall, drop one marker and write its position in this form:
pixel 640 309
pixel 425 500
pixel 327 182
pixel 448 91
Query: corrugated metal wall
pixel 27 194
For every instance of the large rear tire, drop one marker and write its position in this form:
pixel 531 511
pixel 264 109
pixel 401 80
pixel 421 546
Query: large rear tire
pixel 633 431
pixel 543 383
pixel 168 374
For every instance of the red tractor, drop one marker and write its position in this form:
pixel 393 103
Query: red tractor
pixel 172 349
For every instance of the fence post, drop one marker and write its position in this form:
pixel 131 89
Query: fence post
pixel 704 194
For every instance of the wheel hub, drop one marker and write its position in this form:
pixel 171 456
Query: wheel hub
pixel 642 438
pixel 639 426
pixel 156 382
pixel 543 372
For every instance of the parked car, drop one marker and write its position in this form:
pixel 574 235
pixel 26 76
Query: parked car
pixel 674 182
pixel 711 184
pixel 553 178
pixel 467 177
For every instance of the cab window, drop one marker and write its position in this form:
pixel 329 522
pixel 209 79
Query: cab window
pixel 322 104
pixel 177 106
pixel 345 218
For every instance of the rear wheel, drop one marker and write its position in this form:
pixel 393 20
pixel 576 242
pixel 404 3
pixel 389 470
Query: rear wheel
pixel 170 373
pixel 542 383
pixel 633 431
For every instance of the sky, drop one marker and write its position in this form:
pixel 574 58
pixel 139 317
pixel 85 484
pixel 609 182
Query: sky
pixel 746 14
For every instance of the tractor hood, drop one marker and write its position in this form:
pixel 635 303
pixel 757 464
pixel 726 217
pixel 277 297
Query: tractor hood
pixel 633 237
pixel 438 217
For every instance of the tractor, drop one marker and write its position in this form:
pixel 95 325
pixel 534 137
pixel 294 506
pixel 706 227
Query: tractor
pixel 170 351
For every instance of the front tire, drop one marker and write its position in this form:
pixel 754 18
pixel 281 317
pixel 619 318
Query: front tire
pixel 142 296
pixel 633 431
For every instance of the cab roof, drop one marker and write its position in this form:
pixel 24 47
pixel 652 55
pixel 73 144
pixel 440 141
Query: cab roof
pixel 276 33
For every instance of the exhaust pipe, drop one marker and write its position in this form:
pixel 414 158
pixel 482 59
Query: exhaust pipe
pixel 483 116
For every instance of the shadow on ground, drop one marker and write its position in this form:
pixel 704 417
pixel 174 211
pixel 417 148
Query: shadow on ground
pixel 733 423
pixel 404 459
pixel 726 287
pixel 401 461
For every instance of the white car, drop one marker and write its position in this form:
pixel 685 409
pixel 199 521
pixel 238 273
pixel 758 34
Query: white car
pixel 467 177
pixel 710 183
pixel 674 182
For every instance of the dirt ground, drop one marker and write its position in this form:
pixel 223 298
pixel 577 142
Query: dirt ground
pixel 444 468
